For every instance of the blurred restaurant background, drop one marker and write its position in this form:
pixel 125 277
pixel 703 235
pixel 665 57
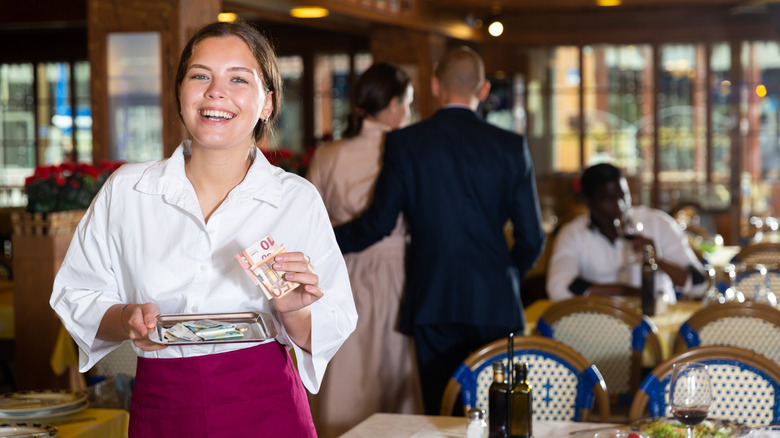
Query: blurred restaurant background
pixel 681 94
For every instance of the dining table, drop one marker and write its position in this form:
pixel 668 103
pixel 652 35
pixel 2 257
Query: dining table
pixel 383 425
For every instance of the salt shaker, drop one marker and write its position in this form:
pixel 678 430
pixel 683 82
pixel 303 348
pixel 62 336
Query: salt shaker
pixel 477 426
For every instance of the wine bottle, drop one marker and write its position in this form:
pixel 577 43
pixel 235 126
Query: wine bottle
pixel 648 281
pixel 497 394
pixel 521 417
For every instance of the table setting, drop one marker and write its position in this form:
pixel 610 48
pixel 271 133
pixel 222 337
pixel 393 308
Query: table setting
pixel 384 425
pixel 58 413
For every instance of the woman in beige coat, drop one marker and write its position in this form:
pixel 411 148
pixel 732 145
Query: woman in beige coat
pixel 374 371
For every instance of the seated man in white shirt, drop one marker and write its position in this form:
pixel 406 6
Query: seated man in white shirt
pixel 592 255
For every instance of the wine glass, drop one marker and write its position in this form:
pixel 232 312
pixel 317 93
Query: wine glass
pixel 690 394
pixel 627 226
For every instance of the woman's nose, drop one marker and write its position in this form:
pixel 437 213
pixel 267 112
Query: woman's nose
pixel 215 91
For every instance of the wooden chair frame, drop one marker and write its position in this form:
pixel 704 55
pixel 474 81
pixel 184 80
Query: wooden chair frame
pixel 727 352
pixel 618 309
pixel 685 336
pixel 530 343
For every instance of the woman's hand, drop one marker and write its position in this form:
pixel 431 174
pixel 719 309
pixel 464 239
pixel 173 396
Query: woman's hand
pixel 139 321
pixel 298 268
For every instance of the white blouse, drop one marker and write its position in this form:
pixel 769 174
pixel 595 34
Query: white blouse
pixel 581 251
pixel 144 239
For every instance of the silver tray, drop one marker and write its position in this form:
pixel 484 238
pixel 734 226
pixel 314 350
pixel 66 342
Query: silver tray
pixel 259 327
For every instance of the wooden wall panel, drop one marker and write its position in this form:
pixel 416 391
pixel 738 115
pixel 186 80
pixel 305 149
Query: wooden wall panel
pixel 176 21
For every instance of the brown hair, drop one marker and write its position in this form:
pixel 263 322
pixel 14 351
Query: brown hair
pixel 374 90
pixel 461 71
pixel 261 49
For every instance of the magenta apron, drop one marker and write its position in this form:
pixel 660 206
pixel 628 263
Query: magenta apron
pixel 252 392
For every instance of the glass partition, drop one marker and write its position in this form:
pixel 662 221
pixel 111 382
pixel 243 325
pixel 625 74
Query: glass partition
pixel 681 120
pixel 618 91
pixel 566 108
pixel 134 92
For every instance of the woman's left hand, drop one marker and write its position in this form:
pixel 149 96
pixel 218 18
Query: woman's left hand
pixel 298 268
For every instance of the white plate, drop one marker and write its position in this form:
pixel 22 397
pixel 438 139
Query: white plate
pixel 39 404
pixel 27 430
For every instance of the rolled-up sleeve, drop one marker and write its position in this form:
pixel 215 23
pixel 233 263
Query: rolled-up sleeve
pixel 334 316
pixel 85 286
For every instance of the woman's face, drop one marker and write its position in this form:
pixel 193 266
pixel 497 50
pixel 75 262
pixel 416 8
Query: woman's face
pixel 400 109
pixel 222 95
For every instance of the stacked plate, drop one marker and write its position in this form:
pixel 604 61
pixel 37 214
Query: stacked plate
pixel 30 405
pixel 21 430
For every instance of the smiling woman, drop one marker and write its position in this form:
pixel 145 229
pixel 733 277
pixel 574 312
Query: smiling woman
pixel 183 221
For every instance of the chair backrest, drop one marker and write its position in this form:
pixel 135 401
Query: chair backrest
pixel 565 384
pixel 745 386
pixel 121 360
pixel 767 253
pixel 608 332
pixel 748 325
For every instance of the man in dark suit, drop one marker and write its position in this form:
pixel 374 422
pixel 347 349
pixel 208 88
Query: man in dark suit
pixel 457 180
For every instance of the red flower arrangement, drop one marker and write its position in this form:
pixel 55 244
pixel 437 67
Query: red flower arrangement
pixel 66 186
pixel 290 161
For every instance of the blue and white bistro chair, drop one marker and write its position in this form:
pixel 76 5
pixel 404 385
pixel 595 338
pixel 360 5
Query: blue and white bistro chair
pixel 566 386
pixel 749 325
pixel 611 334
pixel 745 386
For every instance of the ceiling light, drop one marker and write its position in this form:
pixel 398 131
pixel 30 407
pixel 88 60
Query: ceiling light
pixel 309 12
pixel 496 28
pixel 608 2
pixel 227 17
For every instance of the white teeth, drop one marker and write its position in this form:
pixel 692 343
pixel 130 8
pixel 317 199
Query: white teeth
pixel 217 115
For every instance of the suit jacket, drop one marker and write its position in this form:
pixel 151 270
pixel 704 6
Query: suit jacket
pixel 457 179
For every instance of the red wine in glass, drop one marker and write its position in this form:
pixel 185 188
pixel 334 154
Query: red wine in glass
pixel 690 393
pixel 690 417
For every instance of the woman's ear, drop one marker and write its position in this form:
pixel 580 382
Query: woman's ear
pixel 268 106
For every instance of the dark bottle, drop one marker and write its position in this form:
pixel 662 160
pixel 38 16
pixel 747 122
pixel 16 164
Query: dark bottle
pixel 521 417
pixel 497 402
pixel 648 281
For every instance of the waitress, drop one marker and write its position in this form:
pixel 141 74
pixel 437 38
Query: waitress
pixel 162 236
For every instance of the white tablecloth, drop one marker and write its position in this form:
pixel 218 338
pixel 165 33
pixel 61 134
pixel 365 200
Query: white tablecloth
pixel 423 426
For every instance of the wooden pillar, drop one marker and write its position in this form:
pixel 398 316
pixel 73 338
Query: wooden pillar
pixel 414 51
pixel 176 21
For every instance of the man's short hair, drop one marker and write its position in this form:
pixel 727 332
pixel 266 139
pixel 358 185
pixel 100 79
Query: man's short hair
pixel 461 71
pixel 597 175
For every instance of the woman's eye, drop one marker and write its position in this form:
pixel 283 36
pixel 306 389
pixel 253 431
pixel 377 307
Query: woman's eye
pixel 240 80
pixel 198 76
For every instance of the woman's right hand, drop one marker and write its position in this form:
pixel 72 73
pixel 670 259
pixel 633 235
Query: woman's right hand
pixel 139 321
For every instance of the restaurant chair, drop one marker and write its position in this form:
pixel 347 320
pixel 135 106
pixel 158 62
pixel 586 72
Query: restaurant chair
pixel 752 282
pixel 745 386
pixel 749 325
pixel 611 334
pixel 113 377
pixel 565 384
pixel 759 253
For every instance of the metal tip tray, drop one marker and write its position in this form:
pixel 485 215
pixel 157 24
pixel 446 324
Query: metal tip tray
pixel 258 327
